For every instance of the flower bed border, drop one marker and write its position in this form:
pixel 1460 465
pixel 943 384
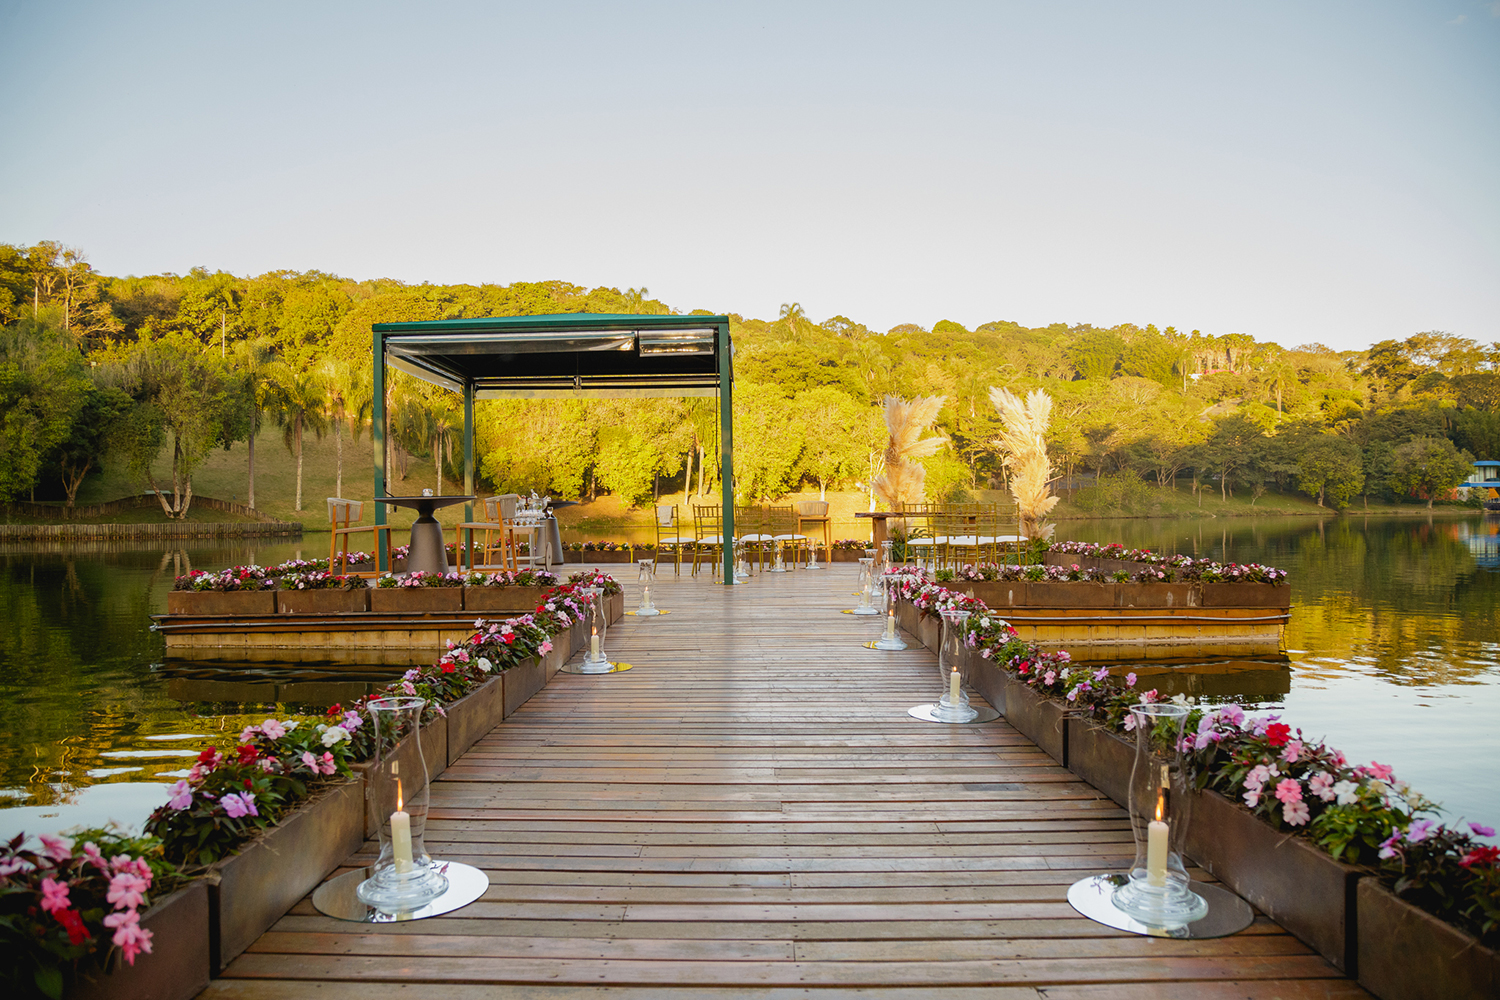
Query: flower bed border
pixel 178 966
pixel 1405 953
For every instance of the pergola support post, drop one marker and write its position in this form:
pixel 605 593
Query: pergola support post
pixel 377 436
pixel 726 448
pixel 468 449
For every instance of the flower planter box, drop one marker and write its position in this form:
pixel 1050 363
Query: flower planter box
pixel 178 966
pixel 211 602
pixel 518 600
pixel 434 753
pixel 844 556
pixel 1406 953
pixel 1246 595
pixel 524 680
pixel 561 651
pixel 251 890
pixel 614 606
pixel 597 557
pixel 1101 758
pixel 413 600
pixel 1158 595
pixel 471 717
pixel 988 679
pixel 321 602
pixel 1287 878
pixel 1038 718
pixel 1070 594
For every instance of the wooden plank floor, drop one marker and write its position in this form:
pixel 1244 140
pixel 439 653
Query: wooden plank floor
pixel 750 812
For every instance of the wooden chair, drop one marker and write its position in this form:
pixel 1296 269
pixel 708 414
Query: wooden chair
pixel 343 521
pixel 814 514
pixel 782 524
pixel 499 533
pixel 708 532
pixel 750 528
pixel 669 534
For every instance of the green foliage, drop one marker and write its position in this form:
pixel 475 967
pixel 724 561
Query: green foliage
pixel 626 464
pixel 1429 467
pixel 1331 469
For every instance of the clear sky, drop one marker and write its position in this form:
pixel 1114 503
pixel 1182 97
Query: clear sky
pixel 1309 171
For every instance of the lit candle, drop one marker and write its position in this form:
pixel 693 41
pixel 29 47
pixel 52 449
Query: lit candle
pixel 594 643
pixel 1157 832
pixel 401 833
pixel 953 686
pixel 890 625
pixel 646 596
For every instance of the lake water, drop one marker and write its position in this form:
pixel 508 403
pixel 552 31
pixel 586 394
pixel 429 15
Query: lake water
pixel 1393 655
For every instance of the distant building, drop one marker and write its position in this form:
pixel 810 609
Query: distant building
pixel 1485 477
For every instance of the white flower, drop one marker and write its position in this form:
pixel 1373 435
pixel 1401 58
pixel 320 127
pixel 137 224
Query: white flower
pixel 485 664
pixel 334 734
pixel 1179 699
pixel 1347 791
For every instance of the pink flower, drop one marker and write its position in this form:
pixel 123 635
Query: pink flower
pixel 129 937
pixel 126 891
pixel 984 654
pixel 1381 771
pixel 273 729
pixel 1257 776
pixel 1322 786
pixel 1483 831
pixel 1420 830
pixel 1130 679
pixel 57 848
pixel 181 795
pixel 309 761
pixel 1233 714
pixel 1289 790
pixel 327 765
pixel 249 733
pixel 1295 813
pixel 1252 797
pixel 1049 677
pixel 1130 723
pixel 241 804
pixel 91 852
pixel 9 866
pixel 1292 751
pixel 1101 673
pixel 54 895
pixel 408 687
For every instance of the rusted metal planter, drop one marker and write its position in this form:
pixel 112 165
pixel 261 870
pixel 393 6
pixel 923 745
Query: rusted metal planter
pixel 229 602
pixel 1101 758
pixel 251 890
pixel 1037 717
pixel 178 966
pixel 471 717
pixel 1405 953
pixel 522 681
pixel 1245 595
pixel 1289 879
pixel 322 602
pixel 408 600
pixel 516 600
pixel 434 737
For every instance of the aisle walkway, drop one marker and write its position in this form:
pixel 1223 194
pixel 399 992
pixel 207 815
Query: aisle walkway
pixel 750 812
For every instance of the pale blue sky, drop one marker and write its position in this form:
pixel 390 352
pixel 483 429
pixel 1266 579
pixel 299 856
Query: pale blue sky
pixel 1315 171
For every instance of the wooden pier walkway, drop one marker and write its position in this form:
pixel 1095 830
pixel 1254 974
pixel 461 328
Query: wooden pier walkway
pixel 749 812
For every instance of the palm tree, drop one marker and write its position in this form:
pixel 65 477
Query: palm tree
pixel 442 426
pixel 794 319
pixel 257 359
pixel 303 408
pixel 351 398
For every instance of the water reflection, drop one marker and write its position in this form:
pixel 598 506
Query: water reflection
pixel 1392 654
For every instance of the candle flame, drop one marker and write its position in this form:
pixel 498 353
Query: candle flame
pixel 400 800
pixel 1161 804
pixel 596 630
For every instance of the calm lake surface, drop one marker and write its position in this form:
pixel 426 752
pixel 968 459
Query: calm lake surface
pixel 1392 655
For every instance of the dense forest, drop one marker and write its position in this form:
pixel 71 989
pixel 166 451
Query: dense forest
pixel 155 372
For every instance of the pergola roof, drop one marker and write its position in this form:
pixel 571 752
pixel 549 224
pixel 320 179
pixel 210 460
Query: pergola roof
pixel 578 355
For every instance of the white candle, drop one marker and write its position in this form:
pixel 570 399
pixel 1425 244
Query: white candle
pixel 890 625
pixel 646 596
pixel 401 834
pixel 1156 853
pixel 953 686
pixel 594 644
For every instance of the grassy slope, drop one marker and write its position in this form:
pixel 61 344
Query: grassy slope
pixel 223 475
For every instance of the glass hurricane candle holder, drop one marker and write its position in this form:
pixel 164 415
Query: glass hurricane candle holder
pixel 866 604
pixel 646 577
pixel 953 665
pixel 404 877
pixel 594 660
pixel 1157 892
pixel 742 561
pixel 890 638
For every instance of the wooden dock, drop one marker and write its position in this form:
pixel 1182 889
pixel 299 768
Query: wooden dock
pixel 749 812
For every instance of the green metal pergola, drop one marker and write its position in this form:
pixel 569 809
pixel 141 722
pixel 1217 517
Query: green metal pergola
pixel 563 356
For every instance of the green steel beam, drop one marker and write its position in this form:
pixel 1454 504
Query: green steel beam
pixel 726 448
pixel 468 449
pixel 377 435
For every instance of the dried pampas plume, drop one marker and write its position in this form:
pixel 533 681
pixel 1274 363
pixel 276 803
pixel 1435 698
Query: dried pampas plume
pixel 1024 441
pixel 901 483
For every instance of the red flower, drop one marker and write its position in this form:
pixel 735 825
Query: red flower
pixel 1485 855
pixel 208 756
pixel 73 924
pixel 447 668
pixel 335 709
pixel 247 782
pixel 1278 733
pixel 247 753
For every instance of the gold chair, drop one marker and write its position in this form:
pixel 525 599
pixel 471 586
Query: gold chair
pixel 814 514
pixel 499 512
pixel 669 534
pixel 781 522
pixel 708 532
pixel 750 529
pixel 343 518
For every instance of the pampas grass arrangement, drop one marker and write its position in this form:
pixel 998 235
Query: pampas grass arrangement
pixel 1024 441
pixel 901 482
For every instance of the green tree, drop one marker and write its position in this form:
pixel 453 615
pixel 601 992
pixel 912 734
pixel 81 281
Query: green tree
pixel 1428 467
pixel 303 407
pixel 42 387
pixel 626 465
pixel 101 408
pixel 263 374
pixel 1331 468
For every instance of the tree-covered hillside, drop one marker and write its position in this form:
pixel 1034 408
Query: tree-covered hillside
pixel 153 373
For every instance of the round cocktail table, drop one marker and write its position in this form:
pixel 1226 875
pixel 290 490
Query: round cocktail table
pixel 427 550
